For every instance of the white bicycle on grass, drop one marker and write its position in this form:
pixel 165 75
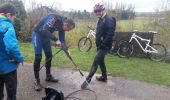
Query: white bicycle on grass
pixel 85 43
pixel 156 52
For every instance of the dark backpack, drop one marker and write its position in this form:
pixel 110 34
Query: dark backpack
pixel 53 94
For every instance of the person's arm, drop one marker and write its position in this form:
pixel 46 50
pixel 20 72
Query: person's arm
pixel 45 30
pixel 3 28
pixel 61 35
pixel 110 26
pixel 11 44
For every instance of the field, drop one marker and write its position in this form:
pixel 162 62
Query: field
pixel 142 24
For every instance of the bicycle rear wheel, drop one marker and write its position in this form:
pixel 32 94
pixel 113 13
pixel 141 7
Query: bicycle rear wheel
pixel 125 49
pixel 161 52
pixel 84 44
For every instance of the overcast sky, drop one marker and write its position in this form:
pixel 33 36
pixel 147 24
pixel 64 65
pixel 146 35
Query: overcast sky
pixel 140 5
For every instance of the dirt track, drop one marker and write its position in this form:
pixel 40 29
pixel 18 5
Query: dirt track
pixel 115 89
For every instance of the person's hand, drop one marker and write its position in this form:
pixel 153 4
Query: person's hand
pixel 22 63
pixel 12 61
pixel 58 43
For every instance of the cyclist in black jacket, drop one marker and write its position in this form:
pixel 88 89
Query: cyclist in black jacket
pixel 104 37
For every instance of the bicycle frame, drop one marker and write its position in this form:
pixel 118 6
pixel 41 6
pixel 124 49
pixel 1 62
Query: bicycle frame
pixel 147 41
pixel 91 33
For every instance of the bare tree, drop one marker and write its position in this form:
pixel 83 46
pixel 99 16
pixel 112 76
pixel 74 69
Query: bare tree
pixel 160 22
pixel 34 15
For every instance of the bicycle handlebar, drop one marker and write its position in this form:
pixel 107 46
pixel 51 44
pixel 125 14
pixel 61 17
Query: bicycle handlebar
pixel 154 32
pixel 90 27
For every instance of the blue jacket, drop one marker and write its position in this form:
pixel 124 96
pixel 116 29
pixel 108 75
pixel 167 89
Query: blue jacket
pixel 8 47
pixel 49 24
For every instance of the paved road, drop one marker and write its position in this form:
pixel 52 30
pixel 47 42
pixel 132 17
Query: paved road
pixel 116 88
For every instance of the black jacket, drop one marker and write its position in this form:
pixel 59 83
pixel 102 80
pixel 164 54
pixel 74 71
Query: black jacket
pixel 105 31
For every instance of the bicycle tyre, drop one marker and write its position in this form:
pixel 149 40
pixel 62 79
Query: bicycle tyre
pixel 113 50
pixel 125 49
pixel 160 56
pixel 84 44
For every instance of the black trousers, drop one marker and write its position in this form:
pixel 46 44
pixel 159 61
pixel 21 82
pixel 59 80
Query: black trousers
pixel 37 62
pixel 41 43
pixel 10 81
pixel 98 61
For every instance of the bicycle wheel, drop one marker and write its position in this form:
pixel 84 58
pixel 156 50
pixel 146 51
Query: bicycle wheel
pixel 125 49
pixel 161 52
pixel 84 44
pixel 113 50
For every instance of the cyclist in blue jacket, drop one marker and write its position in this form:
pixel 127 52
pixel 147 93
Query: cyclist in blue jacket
pixel 104 37
pixel 10 56
pixel 41 36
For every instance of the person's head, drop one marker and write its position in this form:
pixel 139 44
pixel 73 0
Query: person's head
pixel 99 9
pixel 68 24
pixel 8 10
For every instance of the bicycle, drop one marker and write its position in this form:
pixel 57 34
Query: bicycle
pixel 85 43
pixel 115 47
pixel 156 52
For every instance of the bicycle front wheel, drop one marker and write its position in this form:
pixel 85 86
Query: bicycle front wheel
pixel 84 44
pixel 125 49
pixel 161 52
pixel 113 50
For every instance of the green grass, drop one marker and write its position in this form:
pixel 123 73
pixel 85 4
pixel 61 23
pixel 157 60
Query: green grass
pixel 140 24
pixel 132 68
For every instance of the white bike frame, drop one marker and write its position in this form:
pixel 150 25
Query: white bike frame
pixel 147 41
pixel 91 32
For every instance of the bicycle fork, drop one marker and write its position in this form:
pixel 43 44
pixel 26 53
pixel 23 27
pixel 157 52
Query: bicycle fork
pixel 86 40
